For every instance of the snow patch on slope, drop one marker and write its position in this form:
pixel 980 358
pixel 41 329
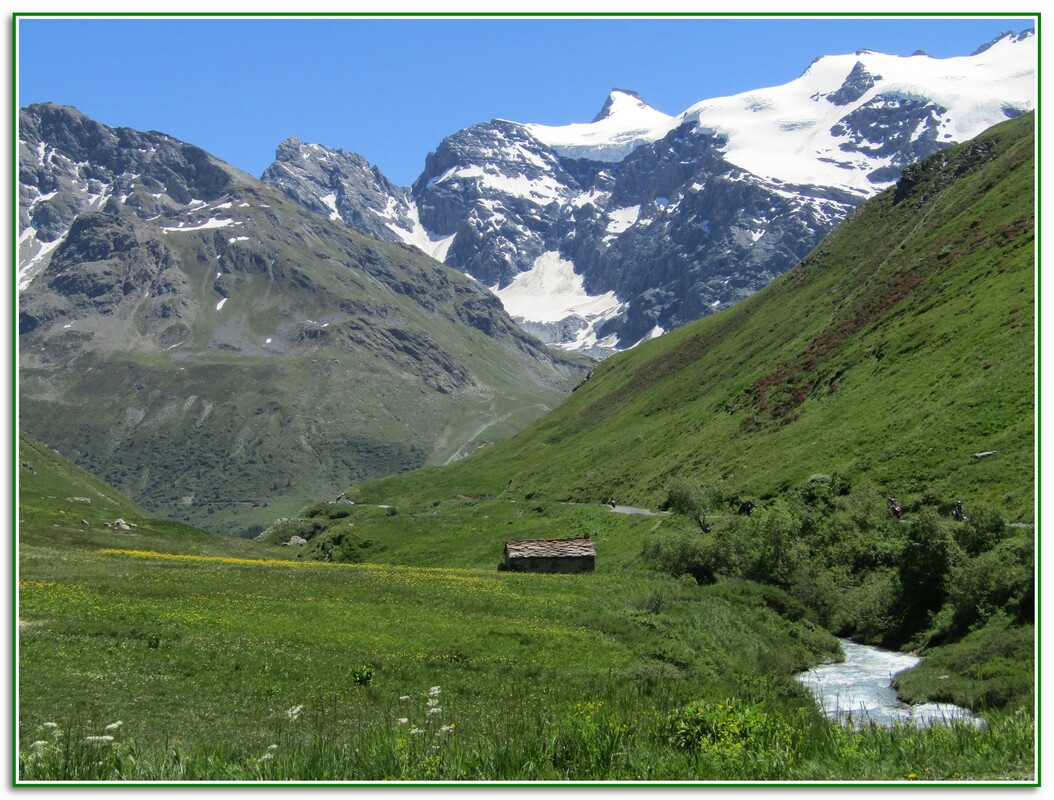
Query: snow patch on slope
pixel 33 256
pixel 429 243
pixel 330 201
pixel 201 226
pixel 551 291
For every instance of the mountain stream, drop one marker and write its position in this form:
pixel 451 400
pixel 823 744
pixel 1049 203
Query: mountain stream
pixel 859 690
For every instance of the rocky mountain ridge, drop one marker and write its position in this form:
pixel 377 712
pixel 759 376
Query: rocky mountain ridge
pixel 209 346
pixel 599 235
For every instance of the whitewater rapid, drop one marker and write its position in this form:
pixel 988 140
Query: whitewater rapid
pixel 859 690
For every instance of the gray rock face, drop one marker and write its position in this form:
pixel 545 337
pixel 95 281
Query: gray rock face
pixel 694 243
pixel 108 261
pixel 69 163
pixel 340 185
pixel 674 230
pixel 500 192
pixel 706 233
pixel 905 129
pixel 856 85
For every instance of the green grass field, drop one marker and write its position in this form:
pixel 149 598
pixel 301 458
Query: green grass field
pixel 166 654
pixel 208 662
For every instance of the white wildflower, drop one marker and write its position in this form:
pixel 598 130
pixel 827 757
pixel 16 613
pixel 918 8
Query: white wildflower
pixel 416 731
pixel 39 744
pixel 433 711
pixel 402 720
pixel 271 748
pixel 294 712
pixel 435 691
pixel 51 725
pixel 98 739
pixel 432 702
pixel 266 756
pixel 113 726
pixel 446 729
pixel 404 697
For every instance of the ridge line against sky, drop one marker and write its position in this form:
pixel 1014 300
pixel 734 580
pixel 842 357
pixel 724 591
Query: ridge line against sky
pixel 392 89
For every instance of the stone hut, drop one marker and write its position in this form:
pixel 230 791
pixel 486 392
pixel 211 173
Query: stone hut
pixel 550 555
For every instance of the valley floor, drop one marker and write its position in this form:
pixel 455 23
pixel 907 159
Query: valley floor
pixel 148 657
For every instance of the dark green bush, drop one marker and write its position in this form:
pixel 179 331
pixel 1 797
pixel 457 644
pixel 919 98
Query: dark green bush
pixel 1001 580
pixel 929 555
pixel 679 553
pixel 692 499
pixel 984 529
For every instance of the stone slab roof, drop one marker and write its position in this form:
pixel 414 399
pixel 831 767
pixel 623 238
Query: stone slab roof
pixel 550 548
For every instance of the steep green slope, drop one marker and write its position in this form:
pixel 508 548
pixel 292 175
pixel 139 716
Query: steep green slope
pixel 62 508
pixel 898 350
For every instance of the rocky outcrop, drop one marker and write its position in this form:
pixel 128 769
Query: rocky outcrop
pixel 340 185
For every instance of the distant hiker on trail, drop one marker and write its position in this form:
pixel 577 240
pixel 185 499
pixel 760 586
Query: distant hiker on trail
pixel 958 514
pixel 895 508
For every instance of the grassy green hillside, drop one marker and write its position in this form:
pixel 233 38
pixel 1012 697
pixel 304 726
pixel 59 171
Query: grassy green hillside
pixel 162 653
pixel 899 349
pixel 62 508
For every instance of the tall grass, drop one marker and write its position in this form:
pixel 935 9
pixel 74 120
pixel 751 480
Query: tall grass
pixel 228 669
pixel 599 740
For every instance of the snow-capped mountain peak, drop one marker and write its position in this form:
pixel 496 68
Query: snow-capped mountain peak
pixel 599 234
pixel 832 125
pixel 624 123
pixel 1006 37
pixel 623 102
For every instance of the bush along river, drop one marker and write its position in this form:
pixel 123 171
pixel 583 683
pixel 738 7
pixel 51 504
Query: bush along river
pixel 859 690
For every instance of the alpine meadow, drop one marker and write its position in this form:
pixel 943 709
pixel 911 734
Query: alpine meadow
pixel 298 503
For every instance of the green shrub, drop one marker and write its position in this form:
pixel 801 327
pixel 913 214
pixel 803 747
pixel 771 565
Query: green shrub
pixel 679 553
pixel 868 611
pixel 733 735
pixel 929 555
pixel 1001 580
pixel 984 529
pixel 781 551
pixel 692 499
pixel 363 676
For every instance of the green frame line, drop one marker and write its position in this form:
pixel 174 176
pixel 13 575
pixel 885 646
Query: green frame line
pixel 17 16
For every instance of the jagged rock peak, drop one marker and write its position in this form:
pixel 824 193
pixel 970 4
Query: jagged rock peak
pixel 856 84
pixel 619 101
pixel 1013 37
pixel 294 147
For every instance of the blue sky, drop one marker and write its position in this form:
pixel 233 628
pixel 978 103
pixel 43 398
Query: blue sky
pixel 391 89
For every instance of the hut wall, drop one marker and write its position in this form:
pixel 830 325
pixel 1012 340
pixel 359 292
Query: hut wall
pixel 563 564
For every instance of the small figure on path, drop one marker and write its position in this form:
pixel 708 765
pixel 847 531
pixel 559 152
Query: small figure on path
pixel 895 508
